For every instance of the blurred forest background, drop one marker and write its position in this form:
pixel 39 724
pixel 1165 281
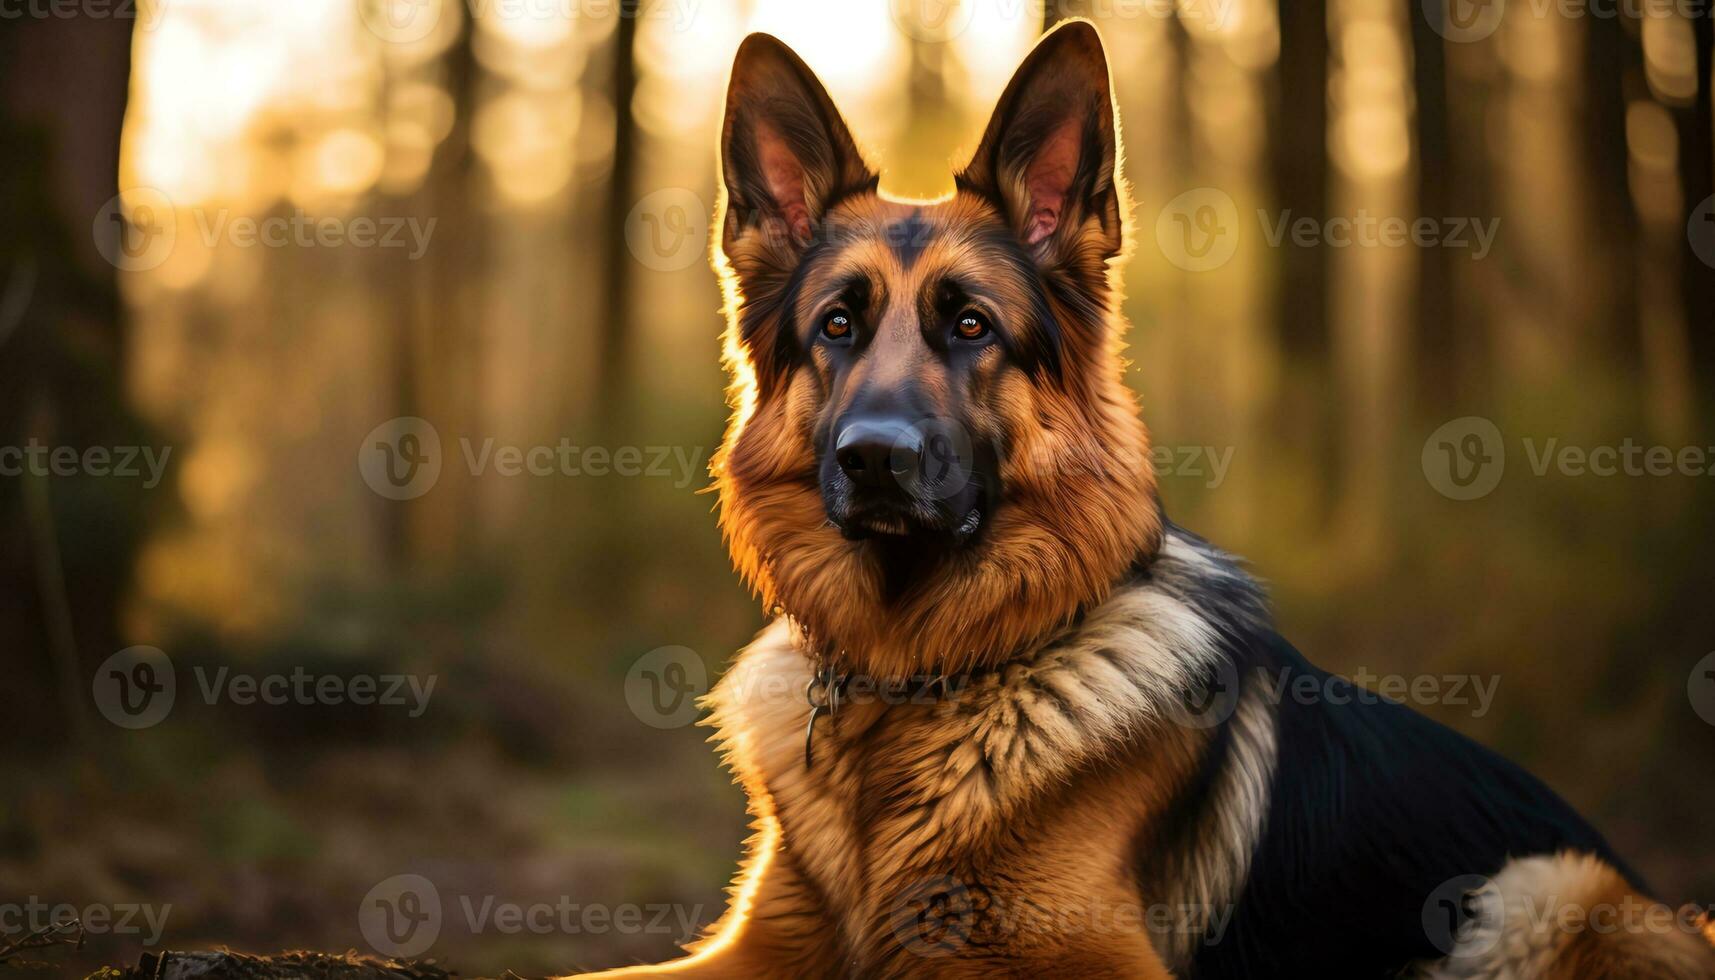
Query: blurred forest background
pixel 565 151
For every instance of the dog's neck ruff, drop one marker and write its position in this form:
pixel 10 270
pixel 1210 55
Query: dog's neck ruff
pixel 1163 630
pixel 830 686
pixel 832 680
pixel 839 665
pixel 936 782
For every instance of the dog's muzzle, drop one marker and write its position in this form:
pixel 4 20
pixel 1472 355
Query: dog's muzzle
pixel 888 475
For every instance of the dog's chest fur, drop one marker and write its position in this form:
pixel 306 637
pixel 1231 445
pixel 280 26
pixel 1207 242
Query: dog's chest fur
pixel 944 826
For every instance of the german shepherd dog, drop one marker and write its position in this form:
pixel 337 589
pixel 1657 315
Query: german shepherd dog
pixel 1009 721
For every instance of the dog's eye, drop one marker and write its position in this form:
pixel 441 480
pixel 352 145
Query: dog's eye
pixel 838 325
pixel 972 325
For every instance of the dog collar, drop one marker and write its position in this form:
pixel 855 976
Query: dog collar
pixel 827 688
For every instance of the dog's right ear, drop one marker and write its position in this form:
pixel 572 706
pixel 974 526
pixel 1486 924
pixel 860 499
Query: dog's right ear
pixel 785 155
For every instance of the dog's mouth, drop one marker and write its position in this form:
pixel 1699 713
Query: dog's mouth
pixel 929 517
pixel 909 541
pixel 865 520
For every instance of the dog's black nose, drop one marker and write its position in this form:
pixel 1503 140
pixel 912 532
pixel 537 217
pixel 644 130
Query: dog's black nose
pixel 879 453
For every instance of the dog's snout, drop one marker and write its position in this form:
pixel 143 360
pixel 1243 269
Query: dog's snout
pixel 878 453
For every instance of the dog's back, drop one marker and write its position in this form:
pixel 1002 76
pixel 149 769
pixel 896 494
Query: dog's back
pixel 1378 840
pixel 1379 822
pixel 1390 841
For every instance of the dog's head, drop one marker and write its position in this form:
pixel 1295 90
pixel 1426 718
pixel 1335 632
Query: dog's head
pixel 932 460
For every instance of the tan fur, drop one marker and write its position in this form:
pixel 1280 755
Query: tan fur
pixel 1025 794
pixel 1572 917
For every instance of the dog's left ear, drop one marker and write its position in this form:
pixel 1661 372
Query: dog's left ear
pixel 1050 151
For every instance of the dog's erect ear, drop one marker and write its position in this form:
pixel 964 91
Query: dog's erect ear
pixel 1050 151
pixel 785 152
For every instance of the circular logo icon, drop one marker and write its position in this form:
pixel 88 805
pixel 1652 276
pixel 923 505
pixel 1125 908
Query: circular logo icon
pixel 664 685
pixel 1700 688
pixel 1199 229
pixel 135 687
pixel 932 459
pixel 135 231
pixel 400 21
pixel 1462 21
pixel 935 917
pixel 1463 915
pixel 1465 458
pixel 932 21
pixel 401 917
pixel 1700 229
pixel 668 229
pixel 400 459
pixel 1214 703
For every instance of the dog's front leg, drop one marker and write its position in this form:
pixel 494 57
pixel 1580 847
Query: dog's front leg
pixel 774 927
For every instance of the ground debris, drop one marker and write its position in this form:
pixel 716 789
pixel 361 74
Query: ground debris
pixel 223 964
